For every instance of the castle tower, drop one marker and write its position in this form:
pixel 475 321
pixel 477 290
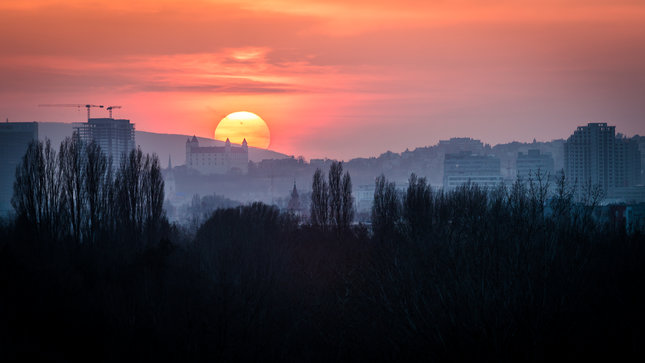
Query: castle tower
pixel 228 145
pixel 169 181
pixel 190 144
pixel 245 145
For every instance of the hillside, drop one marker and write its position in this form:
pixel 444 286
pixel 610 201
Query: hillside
pixel 164 145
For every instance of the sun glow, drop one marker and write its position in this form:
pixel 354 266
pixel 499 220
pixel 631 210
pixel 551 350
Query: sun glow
pixel 238 126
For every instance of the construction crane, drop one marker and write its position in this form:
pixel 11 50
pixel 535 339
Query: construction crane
pixel 110 108
pixel 73 105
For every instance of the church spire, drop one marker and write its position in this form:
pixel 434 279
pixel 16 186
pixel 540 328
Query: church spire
pixel 294 201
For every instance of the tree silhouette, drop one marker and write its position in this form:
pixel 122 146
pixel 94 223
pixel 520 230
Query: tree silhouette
pixel 335 195
pixel 72 162
pixel 386 210
pixel 417 210
pixel 73 194
pixel 347 202
pixel 319 201
pixel 37 197
pixel 332 204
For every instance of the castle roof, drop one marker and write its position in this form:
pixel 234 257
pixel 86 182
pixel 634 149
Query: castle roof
pixel 216 150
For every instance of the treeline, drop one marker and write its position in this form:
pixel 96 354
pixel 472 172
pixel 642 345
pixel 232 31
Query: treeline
pixel 526 209
pixel 78 194
pixel 497 275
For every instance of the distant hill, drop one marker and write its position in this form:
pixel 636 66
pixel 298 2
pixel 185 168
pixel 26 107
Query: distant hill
pixel 164 145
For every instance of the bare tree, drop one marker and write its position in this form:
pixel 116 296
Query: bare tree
pixel 98 184
pixel 154 189
pixel 418 207
pixel 139 193
pixel 562 201
pixel 386 209
pixel 72 160
pixel 54 209
pixel 29 188
pixel 37 197
pixel 347 202
pixel 319 201
pixel 130 192
pixel 335 199
pixel 538 193
pixel 589 198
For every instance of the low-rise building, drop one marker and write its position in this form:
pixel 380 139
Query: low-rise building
pixel 529 164
pixel 635 218
pixel 210 160
pixel 466 167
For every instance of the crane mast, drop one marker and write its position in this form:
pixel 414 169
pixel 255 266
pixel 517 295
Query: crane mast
pixel 110 108
pixel 88 106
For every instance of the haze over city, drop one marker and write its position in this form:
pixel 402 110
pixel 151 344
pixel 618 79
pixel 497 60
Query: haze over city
pixel 322 181
pixel 332 78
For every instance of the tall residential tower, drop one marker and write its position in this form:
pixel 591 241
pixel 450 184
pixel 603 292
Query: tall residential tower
pixel 594 156
pixel 114 136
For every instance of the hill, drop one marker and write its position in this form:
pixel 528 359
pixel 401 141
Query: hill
pixel 164 145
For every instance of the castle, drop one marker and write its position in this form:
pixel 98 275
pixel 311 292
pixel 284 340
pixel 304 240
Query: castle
pixel 217 159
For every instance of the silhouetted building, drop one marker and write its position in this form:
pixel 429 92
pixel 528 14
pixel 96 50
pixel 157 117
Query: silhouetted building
pixel 15 137
pixel 635 218
pixel 169 181
pixel 533 161
pixel 364 196
pixel 594 156
pixel 294 202
pixel 458 144
pixel 628 163
pixel 634 194
pixel 640 140
pixel 217 159
pixel 114 136
pixel 483 170
pixel 322 164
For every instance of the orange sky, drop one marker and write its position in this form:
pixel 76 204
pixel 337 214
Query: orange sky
pixel 332 79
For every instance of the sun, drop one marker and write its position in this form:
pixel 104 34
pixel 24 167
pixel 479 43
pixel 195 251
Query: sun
pixel 238 126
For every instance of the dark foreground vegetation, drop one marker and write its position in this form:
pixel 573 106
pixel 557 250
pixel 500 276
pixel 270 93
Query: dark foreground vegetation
pixel 466 275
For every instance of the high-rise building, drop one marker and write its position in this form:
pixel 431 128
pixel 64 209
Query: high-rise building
pixel 533 161
pixel 627 163
pixel 114 136
pixel 15 137
pixel 594 156
pixel 465 167
pixel 641 147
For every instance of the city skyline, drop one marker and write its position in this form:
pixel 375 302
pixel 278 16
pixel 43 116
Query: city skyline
pixel 331 79
pixel 322 180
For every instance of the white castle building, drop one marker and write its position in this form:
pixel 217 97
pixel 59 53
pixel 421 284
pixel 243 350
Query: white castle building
pixel 217 159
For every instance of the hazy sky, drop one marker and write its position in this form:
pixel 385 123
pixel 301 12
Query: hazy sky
pixel 332 79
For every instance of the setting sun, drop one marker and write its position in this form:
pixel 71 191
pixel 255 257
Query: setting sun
pixel 238 126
